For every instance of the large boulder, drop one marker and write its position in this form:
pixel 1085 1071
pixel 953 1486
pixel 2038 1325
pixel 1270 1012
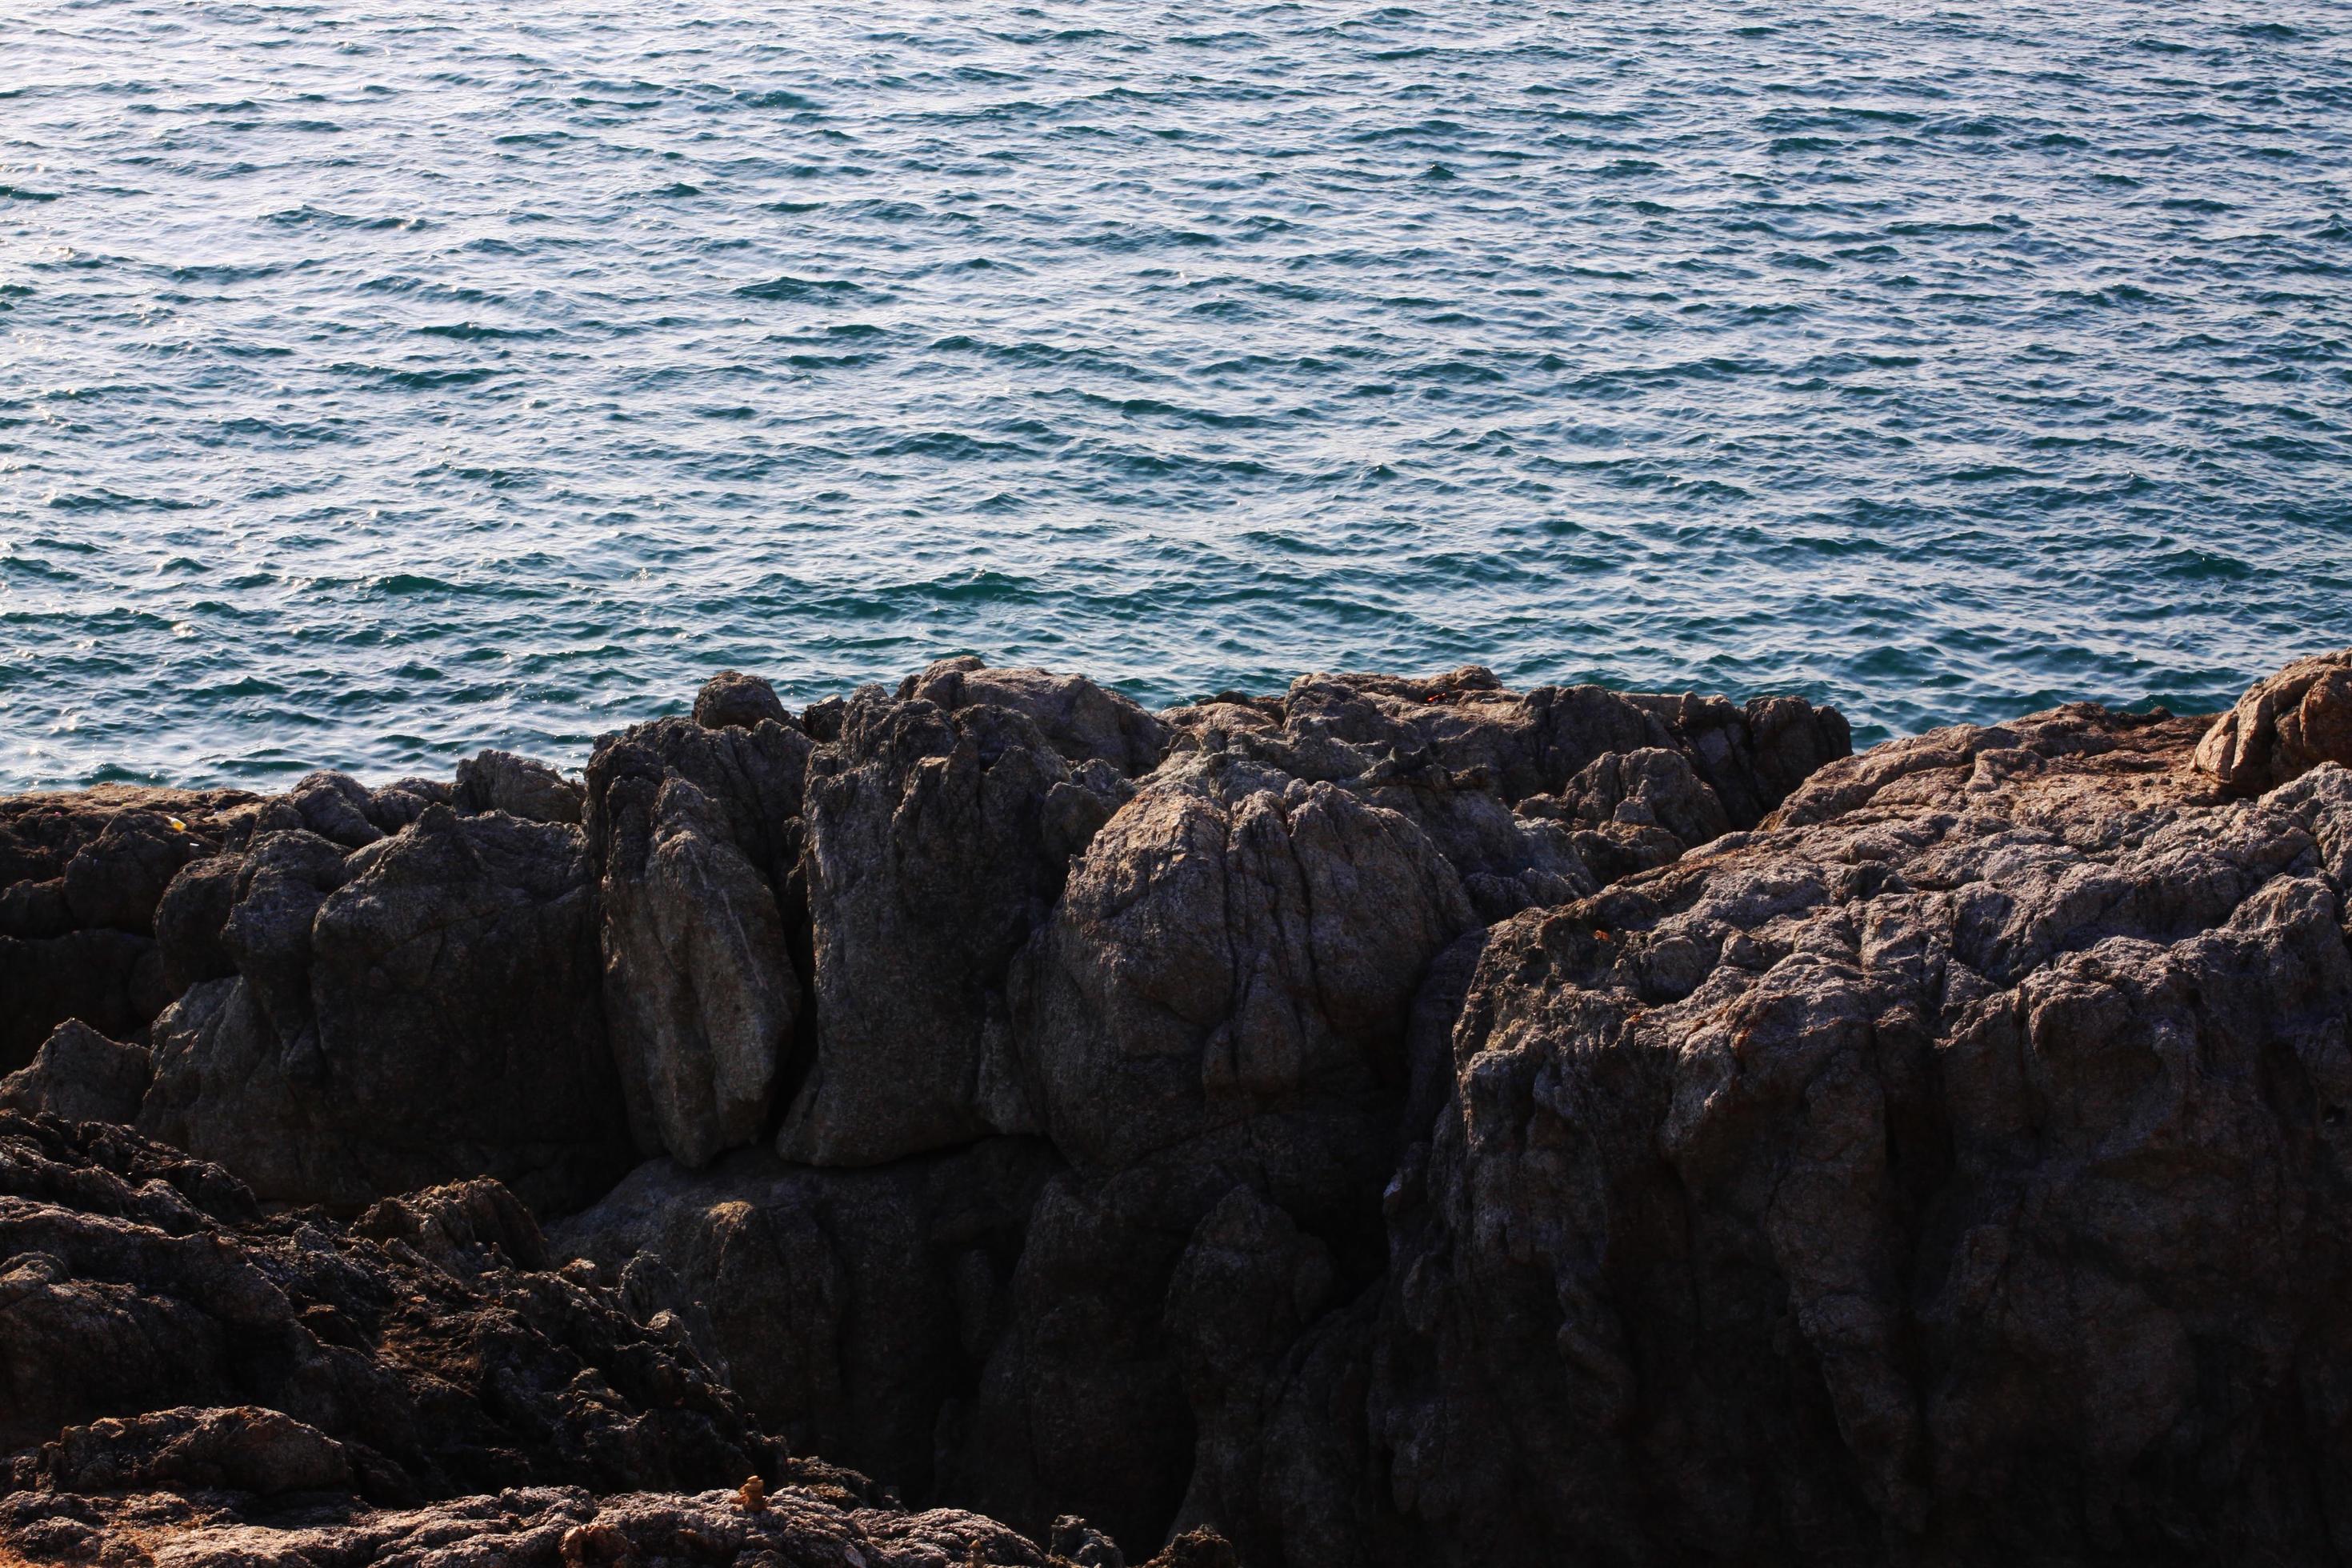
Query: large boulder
pixel 501 781
pixel 937 842
pixel 2284 726
pixel 732 700
pixel 1233 963
pixel 424 1009
pixel 1950 1174
pixel 1216 1016
pixel 81 1076
pixel 1084 722
pixel 697 836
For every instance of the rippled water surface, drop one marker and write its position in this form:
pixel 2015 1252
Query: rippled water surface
pixel 379 381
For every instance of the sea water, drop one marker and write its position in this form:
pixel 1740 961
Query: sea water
pixel 380 381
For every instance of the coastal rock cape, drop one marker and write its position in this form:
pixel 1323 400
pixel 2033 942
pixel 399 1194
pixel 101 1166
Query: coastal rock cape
pixel 1394 1122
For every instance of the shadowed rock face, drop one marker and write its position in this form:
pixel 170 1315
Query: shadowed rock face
pixel 696 831
pixel 1396 1122
pixel 133 1280
pixel 1958 1167
pixel 175 1368
pixel 80 1075
pixel 423 1008
pixel 937 842
pixel 852 1310
pixel 81 879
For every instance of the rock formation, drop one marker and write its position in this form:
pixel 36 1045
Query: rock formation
pixel 1399 1121
pixel 695 828
pixel 176 1368
pixel 423 1008
pixel 81 879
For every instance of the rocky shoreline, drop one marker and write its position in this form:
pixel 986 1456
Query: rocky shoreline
pixel 1394 1122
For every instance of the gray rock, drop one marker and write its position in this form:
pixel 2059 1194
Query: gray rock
pixel 501 781
pixel 331 804
pixel 732 700
pixel 118 877
pixel 1220 1005
pixel 936 843
pixel 698 977
pixel 402 801
pixel 1940 1178
pixel 1655 787
pixel 81 1076
pixel 696 834
pixel 425 1010
pixel 82 874
pixel 1083 721
pixel 845 1307
pixel 157 1332
pixel 190 919
pixel 1532 743
pixel 1236 950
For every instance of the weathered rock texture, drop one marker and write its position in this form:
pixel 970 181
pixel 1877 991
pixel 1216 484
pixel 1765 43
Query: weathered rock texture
pixel 183 1380
pixel 795 1525
pixel 937 840
pixel 1954 1173
pixel 696 831
pixel 81 877
pixel 80 1075
pixel 2283 727
pixel 423 1008
pixel 413 1348
pixel 1392 1122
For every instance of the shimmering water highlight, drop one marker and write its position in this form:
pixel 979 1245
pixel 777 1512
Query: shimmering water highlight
pixel 379 381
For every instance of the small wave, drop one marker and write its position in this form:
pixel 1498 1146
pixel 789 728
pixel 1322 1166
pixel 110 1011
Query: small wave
pixel 787 287
pixel 476 332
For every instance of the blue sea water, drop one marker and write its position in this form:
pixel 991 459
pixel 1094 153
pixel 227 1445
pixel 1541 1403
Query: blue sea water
pixel 380 379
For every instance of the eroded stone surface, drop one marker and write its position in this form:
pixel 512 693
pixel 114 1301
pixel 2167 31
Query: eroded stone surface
pixel 1951 1172
pixel 135 1280
pixel 425 1008
pixel 1399 1122
pixel 937 841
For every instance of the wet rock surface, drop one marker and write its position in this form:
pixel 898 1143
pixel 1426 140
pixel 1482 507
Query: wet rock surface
pixel 1394 1121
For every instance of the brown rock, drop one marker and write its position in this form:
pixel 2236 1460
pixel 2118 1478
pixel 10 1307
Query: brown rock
pixel 732 700
pixel 80 1075
pixel 2284 726
pixel 134 1282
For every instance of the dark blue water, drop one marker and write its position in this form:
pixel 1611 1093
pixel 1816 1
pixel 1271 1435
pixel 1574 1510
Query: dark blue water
pixel 378 380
